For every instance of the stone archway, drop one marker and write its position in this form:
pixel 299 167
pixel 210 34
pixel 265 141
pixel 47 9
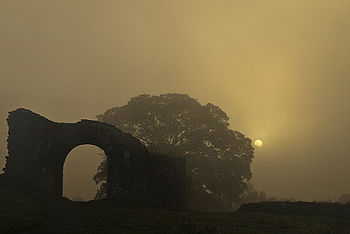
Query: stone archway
pixel 38 147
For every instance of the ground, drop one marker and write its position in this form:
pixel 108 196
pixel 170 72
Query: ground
pixel 20 213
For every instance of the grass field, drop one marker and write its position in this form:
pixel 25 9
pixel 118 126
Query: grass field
pixel 104 218
pixel 19 213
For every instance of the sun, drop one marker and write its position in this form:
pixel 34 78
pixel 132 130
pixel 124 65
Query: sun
pixel 258 143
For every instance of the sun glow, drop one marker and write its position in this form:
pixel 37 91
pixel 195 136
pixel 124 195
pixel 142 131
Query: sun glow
pixel 258 143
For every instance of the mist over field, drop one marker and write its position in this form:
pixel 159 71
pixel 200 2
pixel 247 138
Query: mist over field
pixel 279 69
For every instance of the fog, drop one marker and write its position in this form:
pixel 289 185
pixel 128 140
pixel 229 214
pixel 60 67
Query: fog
pixel 280 69
pixel 79 169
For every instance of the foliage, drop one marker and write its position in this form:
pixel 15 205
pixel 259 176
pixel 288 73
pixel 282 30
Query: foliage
pixel 253 195
pixel 217 158
pixel 100 179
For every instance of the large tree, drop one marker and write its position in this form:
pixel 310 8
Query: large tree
pixel 217 158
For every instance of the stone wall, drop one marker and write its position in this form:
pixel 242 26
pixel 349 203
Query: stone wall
pixel 165 171
pixel 38 148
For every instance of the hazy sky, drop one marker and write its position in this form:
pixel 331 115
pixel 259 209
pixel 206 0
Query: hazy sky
pixel 279 68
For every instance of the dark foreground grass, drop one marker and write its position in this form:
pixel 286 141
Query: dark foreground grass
pixel 104 217
pixel 19 213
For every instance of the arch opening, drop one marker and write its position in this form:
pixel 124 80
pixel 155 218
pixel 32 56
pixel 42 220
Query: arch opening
pixel 80 166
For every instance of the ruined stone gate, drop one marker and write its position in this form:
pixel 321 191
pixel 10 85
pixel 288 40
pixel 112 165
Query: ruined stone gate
pixel 38 147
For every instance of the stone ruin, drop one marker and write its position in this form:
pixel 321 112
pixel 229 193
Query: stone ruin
pixel 38 147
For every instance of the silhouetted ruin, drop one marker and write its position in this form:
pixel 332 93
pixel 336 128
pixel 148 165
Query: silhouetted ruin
pixel 38 147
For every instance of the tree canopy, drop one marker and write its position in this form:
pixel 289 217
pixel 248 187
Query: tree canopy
pixel 217 158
